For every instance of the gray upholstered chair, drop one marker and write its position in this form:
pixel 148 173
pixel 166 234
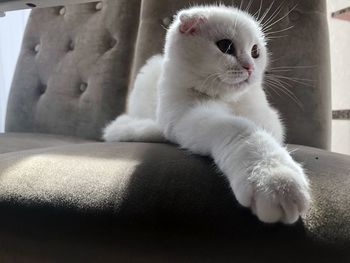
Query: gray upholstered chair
pixel 65 196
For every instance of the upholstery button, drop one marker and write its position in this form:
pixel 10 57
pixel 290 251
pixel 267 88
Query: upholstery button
pixel 42 89
pixel 83 87
pixel 71 45
pixel 166 21
pixel 37 48
pixel 294 15
pixel 113 42
pixel 62 11
pixel 99 6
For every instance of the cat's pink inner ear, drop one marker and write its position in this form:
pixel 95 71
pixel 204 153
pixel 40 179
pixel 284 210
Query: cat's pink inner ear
pixel 190 24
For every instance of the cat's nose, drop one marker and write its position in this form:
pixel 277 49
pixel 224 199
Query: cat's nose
pixel 249 67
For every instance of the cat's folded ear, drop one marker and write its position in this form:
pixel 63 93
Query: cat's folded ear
pixel 190 23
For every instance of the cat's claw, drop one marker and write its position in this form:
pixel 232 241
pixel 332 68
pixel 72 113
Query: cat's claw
pixel 275 194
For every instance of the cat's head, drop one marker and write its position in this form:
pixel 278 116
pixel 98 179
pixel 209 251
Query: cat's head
pixel 223 48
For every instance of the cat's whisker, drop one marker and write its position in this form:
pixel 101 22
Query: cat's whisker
pixel 293 98
pixel 272 88
pixel 293 67
pixel 269 53
pixel 228 48
pixel 236 18
pixel 273 15
pixel 220 83
pixel 268 93
pixel 164 27
pixel 266 13
pixel 276 59
pixel 283 17
pixel 248 6
pixel 275 37
pixel 296 80
pixel 285 91
pixel 241 5
pixel 224 62
pixel 287 69
pixel 257 13
pixel 279 31
pixel 291 151
pixel 282 83
pixel 279 70
pixel 272 18
pixel 266 27
pixel 213 75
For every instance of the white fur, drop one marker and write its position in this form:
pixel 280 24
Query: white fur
pixel 139 123
pixel 205 101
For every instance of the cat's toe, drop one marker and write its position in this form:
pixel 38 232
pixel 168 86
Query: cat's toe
pixel 282 197
pixel 272 209
pixel 268 208
pixel 293 210
pixel 244 193
pixel 290 212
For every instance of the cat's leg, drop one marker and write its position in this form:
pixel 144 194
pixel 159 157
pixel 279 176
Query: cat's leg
pixel 138 124
pixel 272 123
pixel 262 174
pixel 142 102
pixel 130 129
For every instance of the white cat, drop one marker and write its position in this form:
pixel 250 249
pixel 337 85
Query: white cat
pixel 206 94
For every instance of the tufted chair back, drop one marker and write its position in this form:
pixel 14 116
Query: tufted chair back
pixel 74 68
pixel 77 63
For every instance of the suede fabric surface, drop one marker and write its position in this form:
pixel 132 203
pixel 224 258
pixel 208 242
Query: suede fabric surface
pixel 74 68
pixel 13 142
pixel 154 201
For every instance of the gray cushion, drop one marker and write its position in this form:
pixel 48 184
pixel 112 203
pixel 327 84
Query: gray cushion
pixel 73 70
pixel 12 142
pixel 106 187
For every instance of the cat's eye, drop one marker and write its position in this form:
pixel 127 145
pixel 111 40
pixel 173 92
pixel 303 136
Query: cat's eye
pixel 255 51
pixel 226 46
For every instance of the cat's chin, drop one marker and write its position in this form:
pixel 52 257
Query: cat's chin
pixel 234 92
pixel 234 84
pixel 241 85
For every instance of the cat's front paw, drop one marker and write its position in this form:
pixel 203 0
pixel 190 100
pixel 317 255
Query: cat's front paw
pixel 275 192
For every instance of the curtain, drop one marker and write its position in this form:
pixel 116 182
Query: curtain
pixel 11 33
